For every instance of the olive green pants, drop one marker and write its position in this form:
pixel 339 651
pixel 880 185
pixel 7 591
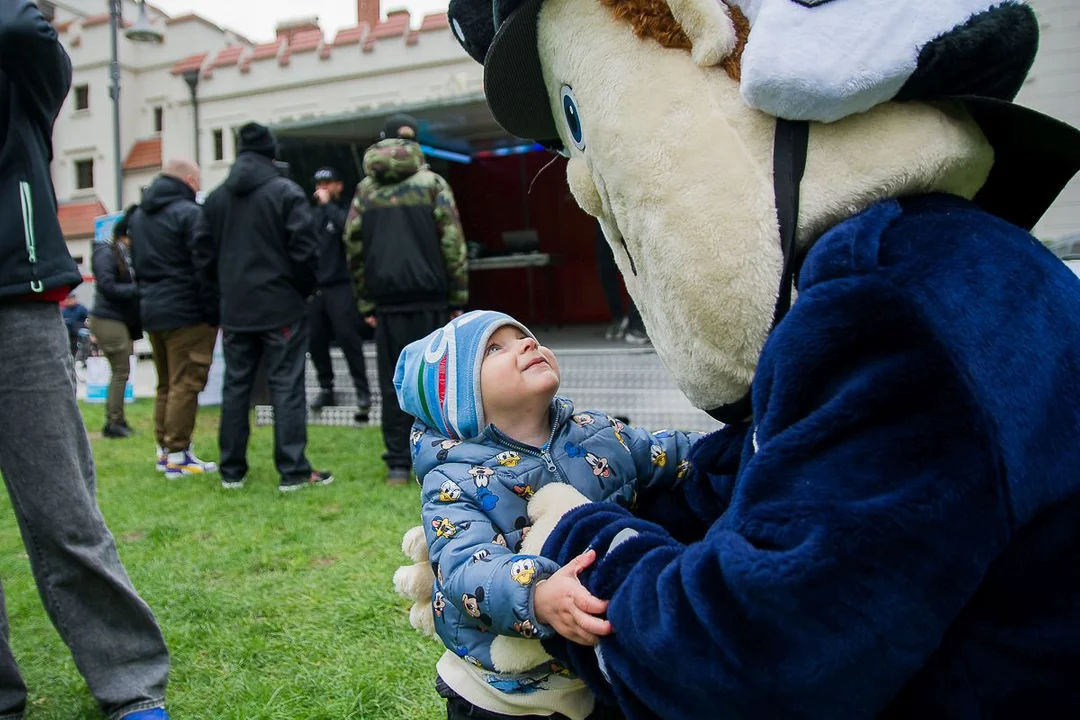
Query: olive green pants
pixel 115 342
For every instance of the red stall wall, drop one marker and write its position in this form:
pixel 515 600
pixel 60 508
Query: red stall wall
pixel 492 196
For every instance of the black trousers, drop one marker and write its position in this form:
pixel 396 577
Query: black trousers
pixel 285 350
pixel 394 330
pixel 334 315
pixel 609 283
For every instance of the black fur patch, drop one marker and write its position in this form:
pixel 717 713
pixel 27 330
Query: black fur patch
pixel 473 25
pixel 988 55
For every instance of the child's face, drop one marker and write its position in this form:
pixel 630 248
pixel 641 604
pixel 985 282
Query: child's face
pixel 516 370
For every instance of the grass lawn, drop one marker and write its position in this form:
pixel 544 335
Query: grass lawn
pixel 273 605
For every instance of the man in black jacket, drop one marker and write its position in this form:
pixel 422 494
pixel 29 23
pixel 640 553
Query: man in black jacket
pixel 45 454
pixel 333 309
pixel 178 310
pixel 115 320
pixel 256 243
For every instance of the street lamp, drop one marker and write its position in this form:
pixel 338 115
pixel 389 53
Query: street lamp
pixel 191 77
pixel 142 32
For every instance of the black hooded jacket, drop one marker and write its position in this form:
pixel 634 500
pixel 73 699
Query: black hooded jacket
pixel 256 242
pixel 330 225
pixel 35 75
pixel 162 231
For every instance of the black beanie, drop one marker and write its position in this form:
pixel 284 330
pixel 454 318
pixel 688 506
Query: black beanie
pixel 257 138
pixel 396 122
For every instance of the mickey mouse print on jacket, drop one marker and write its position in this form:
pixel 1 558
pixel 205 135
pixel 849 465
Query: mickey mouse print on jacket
pixel 475 495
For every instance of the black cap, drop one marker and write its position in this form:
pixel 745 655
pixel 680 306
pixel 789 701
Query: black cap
pixel 326 174
pixel 395 122
pixel 120 227
pixel 257 138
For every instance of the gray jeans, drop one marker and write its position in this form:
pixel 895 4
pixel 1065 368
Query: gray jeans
pixel 49 472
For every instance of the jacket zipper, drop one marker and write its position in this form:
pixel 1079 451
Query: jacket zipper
pixel 544 455
pixel 26 201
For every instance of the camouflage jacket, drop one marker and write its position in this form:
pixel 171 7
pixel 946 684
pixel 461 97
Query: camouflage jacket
pixel 403 236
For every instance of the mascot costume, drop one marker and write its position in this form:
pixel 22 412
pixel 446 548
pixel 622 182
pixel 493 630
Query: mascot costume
pixel 821 208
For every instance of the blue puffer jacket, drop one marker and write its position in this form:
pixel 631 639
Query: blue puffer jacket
pixel 475 497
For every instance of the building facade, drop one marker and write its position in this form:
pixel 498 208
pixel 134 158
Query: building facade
pixel 335 88
pixel 376 67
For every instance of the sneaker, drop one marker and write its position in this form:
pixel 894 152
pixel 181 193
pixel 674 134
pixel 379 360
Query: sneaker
pixel 397 476
pixel 184 463
pixel 153 714
pixel 636 337
pixel 315 478
pixel 617 329
pixel 324 399
pixel 233 484
pixel 162 460
pixel 362 414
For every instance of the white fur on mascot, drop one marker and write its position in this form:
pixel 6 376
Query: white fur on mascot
pixel 821 208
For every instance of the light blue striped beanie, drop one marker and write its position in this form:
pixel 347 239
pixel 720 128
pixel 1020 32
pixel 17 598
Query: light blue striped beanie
pixel 437 378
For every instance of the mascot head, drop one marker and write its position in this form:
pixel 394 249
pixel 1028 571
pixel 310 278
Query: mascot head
pixel 715 141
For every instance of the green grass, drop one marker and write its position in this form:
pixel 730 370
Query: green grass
pixel 274 605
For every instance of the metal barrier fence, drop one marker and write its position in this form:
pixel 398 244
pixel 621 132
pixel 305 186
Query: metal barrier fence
pixel 624 381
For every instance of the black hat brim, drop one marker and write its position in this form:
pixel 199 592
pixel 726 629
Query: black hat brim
pixel 1035 155
pixel 514 79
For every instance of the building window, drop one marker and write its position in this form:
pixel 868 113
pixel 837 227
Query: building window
pixel 84 174
pixel 159 119
pixel 82 97
pixel 219 145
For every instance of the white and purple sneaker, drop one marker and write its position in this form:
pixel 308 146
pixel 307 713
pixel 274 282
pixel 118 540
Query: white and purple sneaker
pixel 181 464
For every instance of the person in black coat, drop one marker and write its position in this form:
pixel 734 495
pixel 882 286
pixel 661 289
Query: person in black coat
pixel 256 243
pixel 178 309
pixel 114 320
pixel 334 313
pixel 48 464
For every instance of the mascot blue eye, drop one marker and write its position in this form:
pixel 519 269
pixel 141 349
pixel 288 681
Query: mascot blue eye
pixel 570 113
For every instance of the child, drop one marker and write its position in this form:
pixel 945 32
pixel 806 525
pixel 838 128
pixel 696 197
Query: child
pixel 491 432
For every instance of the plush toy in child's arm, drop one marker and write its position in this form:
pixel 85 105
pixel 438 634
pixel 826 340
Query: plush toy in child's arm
pixel 415 582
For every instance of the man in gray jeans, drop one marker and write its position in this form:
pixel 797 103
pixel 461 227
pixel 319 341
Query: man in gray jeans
pixel 44 452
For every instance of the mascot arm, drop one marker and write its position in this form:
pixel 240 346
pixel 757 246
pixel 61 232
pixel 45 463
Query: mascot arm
pixel 686 507
pixel 483 579
pixel 857 532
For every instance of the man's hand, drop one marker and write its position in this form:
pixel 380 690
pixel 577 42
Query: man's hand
pixel 371 321
pixel 456 313
pixel 322 195
pixel 562 602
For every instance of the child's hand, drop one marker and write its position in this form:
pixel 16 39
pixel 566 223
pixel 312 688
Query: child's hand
pixel 562 602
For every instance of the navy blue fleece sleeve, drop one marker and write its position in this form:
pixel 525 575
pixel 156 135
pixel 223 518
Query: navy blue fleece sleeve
pixel 864 514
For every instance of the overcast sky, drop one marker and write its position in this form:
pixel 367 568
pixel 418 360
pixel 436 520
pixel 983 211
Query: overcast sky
pixel 256 19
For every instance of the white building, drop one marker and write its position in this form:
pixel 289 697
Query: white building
pixel 338 89
pixel 302 78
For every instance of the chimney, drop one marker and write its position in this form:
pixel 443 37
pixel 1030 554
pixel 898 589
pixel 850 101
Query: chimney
pixel 288 28
pixel 367 11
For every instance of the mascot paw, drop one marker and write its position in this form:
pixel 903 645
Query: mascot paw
pixel 517 655
pixel 422 618
pixel 414 544
pixel 546 508
pixel 709 28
